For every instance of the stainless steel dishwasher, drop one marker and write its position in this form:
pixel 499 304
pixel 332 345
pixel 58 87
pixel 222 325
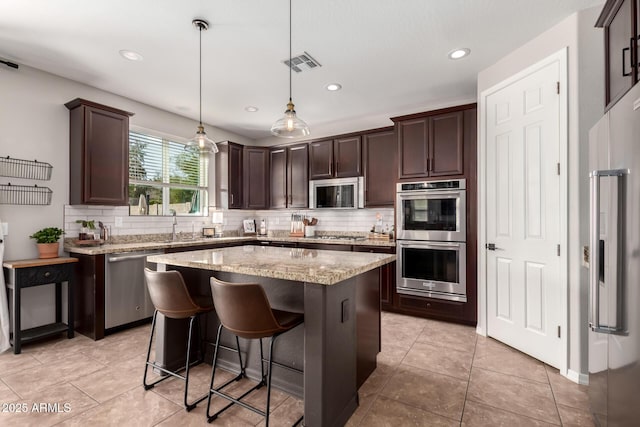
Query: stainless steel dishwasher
pixel 125 293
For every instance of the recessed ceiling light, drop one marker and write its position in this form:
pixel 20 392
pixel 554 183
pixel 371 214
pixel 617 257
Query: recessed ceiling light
pixel 332 87
pixel 459 53
pixel 251 109
pixel 131 55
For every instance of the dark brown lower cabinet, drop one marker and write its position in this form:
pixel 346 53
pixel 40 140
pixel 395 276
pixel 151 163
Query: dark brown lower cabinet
pixel 387 275
pixel 432 308
pixel 88 296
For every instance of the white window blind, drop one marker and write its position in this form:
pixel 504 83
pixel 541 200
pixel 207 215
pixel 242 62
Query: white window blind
pixel 165 177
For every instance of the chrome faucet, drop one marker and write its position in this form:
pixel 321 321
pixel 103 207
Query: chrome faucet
pixel 175 222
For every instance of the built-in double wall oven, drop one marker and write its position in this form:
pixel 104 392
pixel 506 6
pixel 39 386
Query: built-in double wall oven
pixel 431 239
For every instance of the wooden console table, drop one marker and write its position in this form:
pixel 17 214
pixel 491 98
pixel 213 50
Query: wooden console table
pixel 36 272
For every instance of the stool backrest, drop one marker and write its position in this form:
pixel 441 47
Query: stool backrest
pixel 169 294
pixel 243 308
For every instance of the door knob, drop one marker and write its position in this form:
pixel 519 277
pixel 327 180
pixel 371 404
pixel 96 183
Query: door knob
pixel 491 246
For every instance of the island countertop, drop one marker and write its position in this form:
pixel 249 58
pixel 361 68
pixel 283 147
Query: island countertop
pixel 304 265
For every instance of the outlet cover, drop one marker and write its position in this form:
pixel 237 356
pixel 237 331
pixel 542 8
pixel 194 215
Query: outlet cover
pixel 5 228
pixel 118 221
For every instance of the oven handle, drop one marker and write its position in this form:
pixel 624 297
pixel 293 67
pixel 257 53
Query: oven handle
pixel 431 194
pixel 427 245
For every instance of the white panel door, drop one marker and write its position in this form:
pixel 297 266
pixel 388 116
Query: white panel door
pixel 523 216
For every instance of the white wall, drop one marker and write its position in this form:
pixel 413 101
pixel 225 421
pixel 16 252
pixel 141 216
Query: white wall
pixel 586 104
pixel 34 124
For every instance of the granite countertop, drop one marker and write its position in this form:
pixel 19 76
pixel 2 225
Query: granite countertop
pixel 109 248
pixel 133 246
pixel 304 265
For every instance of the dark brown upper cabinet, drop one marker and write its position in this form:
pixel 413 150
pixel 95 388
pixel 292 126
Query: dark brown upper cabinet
pixel 431 144
pixel 335 158
pixel 235 176
pixel 98 154
pixel 228 183
pixel 256 177
pixel 619 18
pixel 380 156
pixel 289 187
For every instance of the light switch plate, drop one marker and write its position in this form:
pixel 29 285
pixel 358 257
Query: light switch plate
pixel 636 104
pixel 5 228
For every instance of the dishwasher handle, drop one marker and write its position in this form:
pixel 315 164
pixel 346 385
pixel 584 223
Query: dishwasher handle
pixel 119 258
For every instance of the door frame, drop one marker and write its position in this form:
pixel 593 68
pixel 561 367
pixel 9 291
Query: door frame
pixel 561 58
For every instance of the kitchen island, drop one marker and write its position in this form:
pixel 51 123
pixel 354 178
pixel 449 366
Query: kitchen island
pixel 339 293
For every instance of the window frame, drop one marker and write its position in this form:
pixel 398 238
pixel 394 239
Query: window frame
pixel 166 186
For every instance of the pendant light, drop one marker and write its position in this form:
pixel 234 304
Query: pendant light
pixel 200 139
pixel 290 126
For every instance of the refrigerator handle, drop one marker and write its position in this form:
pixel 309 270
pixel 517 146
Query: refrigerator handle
pixel 596 264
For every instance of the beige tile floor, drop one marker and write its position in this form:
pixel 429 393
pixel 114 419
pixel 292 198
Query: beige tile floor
pixel 429 374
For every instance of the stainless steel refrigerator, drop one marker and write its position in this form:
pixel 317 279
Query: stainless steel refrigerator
pixel 614 267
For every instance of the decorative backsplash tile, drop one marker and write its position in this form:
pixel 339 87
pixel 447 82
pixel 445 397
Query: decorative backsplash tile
pixel 336 220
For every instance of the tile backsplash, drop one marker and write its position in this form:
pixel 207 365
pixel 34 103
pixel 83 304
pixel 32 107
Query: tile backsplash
pixel 344 221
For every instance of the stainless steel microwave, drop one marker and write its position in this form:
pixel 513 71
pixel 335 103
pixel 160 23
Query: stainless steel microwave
pixel 339 193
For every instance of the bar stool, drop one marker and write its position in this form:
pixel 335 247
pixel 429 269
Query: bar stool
pixel 244 310
pixel 170 297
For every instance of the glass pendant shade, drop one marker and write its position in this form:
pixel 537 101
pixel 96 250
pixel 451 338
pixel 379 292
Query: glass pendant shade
pixel 202 142
pixel 290 126
pixel 200 139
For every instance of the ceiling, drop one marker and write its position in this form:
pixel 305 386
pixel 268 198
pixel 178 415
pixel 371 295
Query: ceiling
pixel 390 56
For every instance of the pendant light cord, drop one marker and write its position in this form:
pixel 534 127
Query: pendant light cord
pixel 200 32
pixel 290 64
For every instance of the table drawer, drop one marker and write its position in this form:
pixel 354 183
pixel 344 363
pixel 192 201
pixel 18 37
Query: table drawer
pixel 35 276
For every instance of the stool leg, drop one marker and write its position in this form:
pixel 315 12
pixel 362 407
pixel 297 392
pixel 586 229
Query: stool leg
pixel 242 371
pixel 188 406
pixel 146 365
pixel 262 374
pixel 213 373
pixel 273 339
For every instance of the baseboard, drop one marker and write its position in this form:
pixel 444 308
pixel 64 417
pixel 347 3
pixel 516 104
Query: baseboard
pixel 577 377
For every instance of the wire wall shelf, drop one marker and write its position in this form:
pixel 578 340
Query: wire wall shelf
pixel 28 169
pixel 24 195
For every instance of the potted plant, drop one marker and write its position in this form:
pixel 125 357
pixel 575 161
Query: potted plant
pixel 47 241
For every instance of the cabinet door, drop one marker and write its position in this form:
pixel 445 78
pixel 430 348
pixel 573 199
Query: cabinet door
pixel 413 153
pixel 446 144
pixel 297 176
pixel 256 177
pixel 347 157
pixel 106 158
pixel 387 274
pixel 321 159
pixel 380 159
pixel 618 52
pixel 235 176
pixel 278 181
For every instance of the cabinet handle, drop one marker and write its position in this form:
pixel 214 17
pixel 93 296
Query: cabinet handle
pixel 624 62
pixel 47 274
pixel 231 199
pixel 428 165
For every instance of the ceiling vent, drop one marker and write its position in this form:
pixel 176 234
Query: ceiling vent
pixel 302 62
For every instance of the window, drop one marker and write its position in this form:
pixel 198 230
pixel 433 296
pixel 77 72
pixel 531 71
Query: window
pixel 164 177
